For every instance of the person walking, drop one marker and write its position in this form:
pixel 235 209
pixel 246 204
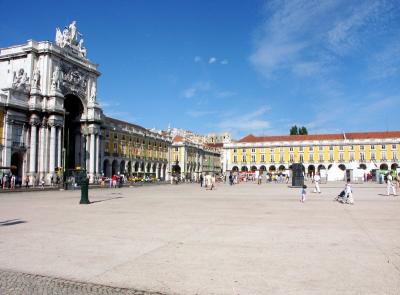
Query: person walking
pixel 317 180
pixel 303 193
pixel 201 180
pixel 348 193
pixel 42 182
pixel 390 185
pixel 26 182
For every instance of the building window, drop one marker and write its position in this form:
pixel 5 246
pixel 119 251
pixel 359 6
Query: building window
pixel 394 156
pixel 362 157
pixel 244 159
pixel 281 158
pixel 253 150
pixel 301 158
pixel 372 147
pixel 372 156
pixel 341 148
pixel 311 148
pixel 384 146
pixel 341 157
pixel 291 149
pixel 235 150
pixel 301 149
pixel 243 151
pixel 361 147
pixel 253 158
pixel 262 150
pixel 263 158
pixel 321 148
pixel 352 147
pixel 272 159
pixel 331 148
pixel 176 158
pixel 331 157
pixel 271 150
pixel 311 157
pixel 321 157
pixel 394 147
pixel 383 156
pixel 176 149
pixel 234 159
pixel 351 156
pixel 291 157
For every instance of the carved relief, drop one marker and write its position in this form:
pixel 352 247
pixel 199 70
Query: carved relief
pixel 73 81
pixel 20 81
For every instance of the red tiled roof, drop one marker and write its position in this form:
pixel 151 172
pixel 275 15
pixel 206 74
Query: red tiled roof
pixel 337 136
pixel 178 138
pixel 214 145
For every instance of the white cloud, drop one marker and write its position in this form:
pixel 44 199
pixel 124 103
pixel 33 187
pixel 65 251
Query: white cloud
pixel 198 114
pixel 223 94
pixel 224 62
pixel 197 59
pixel 305 37
pixel 196 88
pixel 252 122
pixel 212 60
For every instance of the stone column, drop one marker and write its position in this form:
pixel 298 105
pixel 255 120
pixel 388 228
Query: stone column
pixel 92 155
pixel 33 149
pixel 87 152
pixel 98 151
pixel 52 149
pixel 157 167
pixel 42 147
pixel 78 149
pixel 59 146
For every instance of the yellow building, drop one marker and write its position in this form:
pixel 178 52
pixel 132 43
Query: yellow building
pixel 190 159
pixel 133 150
pixel 367 150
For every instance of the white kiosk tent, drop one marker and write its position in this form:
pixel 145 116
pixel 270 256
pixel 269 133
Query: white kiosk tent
pixel 335 173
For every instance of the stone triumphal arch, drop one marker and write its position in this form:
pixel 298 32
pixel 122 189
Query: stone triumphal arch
pixel 48 93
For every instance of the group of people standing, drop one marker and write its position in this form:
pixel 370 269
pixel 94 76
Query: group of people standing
pixel 208 181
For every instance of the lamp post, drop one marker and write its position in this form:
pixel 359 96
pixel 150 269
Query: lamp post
pixel 84 184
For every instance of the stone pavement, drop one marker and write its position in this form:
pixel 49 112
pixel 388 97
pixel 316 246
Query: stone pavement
pixel 16 283
pixel 180 239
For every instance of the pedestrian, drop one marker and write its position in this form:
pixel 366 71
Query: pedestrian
pixel 52 180
pixel 317 180
pixel 27 182
pixel 201 180
pixel 303 193
pixel 12 182
pixel 42 182
pixel 348 193
pixel 390 185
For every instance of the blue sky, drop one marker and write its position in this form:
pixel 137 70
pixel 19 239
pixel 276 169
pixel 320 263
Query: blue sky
pixel 240 66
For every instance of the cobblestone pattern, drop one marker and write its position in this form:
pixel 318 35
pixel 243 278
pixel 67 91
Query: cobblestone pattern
pixel 16 283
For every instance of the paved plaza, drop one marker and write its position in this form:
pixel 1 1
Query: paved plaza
pixel 180 239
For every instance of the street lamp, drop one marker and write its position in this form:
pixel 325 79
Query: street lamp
pixel 84 184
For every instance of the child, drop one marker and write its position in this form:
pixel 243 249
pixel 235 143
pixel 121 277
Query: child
pixel 303 194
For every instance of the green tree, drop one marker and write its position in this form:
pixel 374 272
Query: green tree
pixel 294 130
pixel 303 131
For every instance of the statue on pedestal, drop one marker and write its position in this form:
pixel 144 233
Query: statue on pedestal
pixel 36 78
pixel 56 78
pixel 69 37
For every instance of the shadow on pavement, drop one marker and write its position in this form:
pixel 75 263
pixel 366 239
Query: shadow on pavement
pixel 11 222
pixel 109 199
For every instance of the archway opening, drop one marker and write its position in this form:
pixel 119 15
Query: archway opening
pixel 16 166
pixel 272 168
pixel 106 168
pixel 311 170
pixel 363 166
pixel 253 168
pixel 321 167
pixel 383 166
pixel 72 131
pixel 244 169
pixel 115 167
pixel 235 168
pixel 342 167
pixel 122 167
pixel 281 168
pixel 394 166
